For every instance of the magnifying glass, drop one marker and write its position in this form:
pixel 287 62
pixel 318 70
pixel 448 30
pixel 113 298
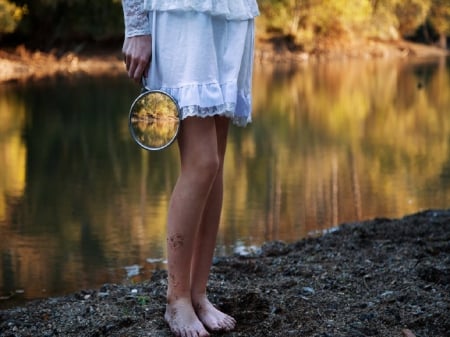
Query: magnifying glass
pixel 154 120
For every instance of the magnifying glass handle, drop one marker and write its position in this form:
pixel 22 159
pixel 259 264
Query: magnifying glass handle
pixel 144 84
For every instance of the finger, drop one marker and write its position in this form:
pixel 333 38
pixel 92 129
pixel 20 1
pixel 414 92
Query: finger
pixel 132 69
pixel 127 62
pixel 136 75
pixel 141 69
pixel 147 69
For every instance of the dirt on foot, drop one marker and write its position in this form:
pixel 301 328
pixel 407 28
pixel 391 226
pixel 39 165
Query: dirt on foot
pixel 385 277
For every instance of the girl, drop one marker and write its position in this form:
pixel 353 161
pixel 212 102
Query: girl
pixel 201 53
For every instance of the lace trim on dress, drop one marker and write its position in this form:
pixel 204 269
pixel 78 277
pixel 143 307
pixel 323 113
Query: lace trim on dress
pixel 225 110
pixel 137 21
pixel 211 99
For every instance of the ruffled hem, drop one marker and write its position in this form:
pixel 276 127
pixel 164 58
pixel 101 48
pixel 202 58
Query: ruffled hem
pixel 225 110
pixel 206 100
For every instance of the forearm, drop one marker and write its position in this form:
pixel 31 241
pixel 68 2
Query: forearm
pixel 136 18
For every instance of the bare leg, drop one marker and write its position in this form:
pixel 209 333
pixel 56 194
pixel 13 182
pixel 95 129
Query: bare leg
pixel 205 244
pixel 199 167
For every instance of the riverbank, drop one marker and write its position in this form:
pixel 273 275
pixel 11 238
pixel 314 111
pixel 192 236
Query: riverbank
pixel 384 277
pixel 20 64
pixel 280 51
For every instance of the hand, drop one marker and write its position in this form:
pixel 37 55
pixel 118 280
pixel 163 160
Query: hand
pixel 137 52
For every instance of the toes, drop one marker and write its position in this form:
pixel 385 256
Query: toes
pixel 198 334
pixel 213 319
pixel 194 331
pixel 228 325
pixel 225 325
pixel 190 333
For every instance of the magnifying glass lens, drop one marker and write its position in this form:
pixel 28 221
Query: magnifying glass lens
pixel 154 120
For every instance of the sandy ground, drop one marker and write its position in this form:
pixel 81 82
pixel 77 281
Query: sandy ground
pixel 385 277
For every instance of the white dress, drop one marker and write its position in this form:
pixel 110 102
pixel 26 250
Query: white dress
pixel 230 9
pixel 200 56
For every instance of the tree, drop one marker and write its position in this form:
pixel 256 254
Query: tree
pixel 10 16
pixel 439 18
pixel 51 22
pixel 411 14
pixel 308 20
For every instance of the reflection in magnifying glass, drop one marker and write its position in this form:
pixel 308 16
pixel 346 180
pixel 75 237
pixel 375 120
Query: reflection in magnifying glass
pixel 154 120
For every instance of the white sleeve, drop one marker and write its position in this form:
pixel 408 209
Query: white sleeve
pixel 137 21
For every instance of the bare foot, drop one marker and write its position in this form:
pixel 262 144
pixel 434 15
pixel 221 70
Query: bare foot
pixel 213 319
pixel 183 321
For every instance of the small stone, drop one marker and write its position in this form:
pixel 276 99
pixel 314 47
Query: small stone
pixel 308 291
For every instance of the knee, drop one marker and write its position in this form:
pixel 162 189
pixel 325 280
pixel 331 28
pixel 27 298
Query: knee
pixel 204 169
pixel 208 167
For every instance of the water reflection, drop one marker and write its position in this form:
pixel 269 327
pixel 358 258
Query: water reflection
pixel 330 143
pixel 342 142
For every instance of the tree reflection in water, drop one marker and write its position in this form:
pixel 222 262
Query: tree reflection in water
pixel 330 143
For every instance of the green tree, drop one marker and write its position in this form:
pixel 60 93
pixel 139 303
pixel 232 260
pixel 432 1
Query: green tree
pixel 10 16
pixel 308 24
pixel 439 18
pixel 384 22
pixel 51 22
pixel 308 20
pixel 411 14
pixel 393 19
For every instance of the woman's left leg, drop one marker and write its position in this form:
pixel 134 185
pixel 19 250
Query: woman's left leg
pixel 199 168
pixel 205 244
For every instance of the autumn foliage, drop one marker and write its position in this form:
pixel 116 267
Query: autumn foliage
pixel 304 22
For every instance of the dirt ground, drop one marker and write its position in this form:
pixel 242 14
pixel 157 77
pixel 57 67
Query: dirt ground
pixel 385 277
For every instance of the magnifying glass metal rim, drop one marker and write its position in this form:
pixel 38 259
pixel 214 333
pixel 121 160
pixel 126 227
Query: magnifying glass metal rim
pixel 130 126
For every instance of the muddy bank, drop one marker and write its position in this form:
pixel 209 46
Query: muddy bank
pixel 385 277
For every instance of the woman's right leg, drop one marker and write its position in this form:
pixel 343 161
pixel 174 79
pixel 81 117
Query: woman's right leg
pixel 199 166
pixel 212 319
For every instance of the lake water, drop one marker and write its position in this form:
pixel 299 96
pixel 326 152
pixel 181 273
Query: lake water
pixel 82 205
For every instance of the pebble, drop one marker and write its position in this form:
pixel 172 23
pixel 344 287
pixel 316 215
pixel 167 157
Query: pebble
pixel 387 293
pixel 308 291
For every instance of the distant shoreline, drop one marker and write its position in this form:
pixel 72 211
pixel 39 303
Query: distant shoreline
pixel 20 64
pixel 356 50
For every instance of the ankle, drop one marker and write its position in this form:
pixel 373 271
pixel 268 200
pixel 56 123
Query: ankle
pixel 178 298
pixel 198 297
